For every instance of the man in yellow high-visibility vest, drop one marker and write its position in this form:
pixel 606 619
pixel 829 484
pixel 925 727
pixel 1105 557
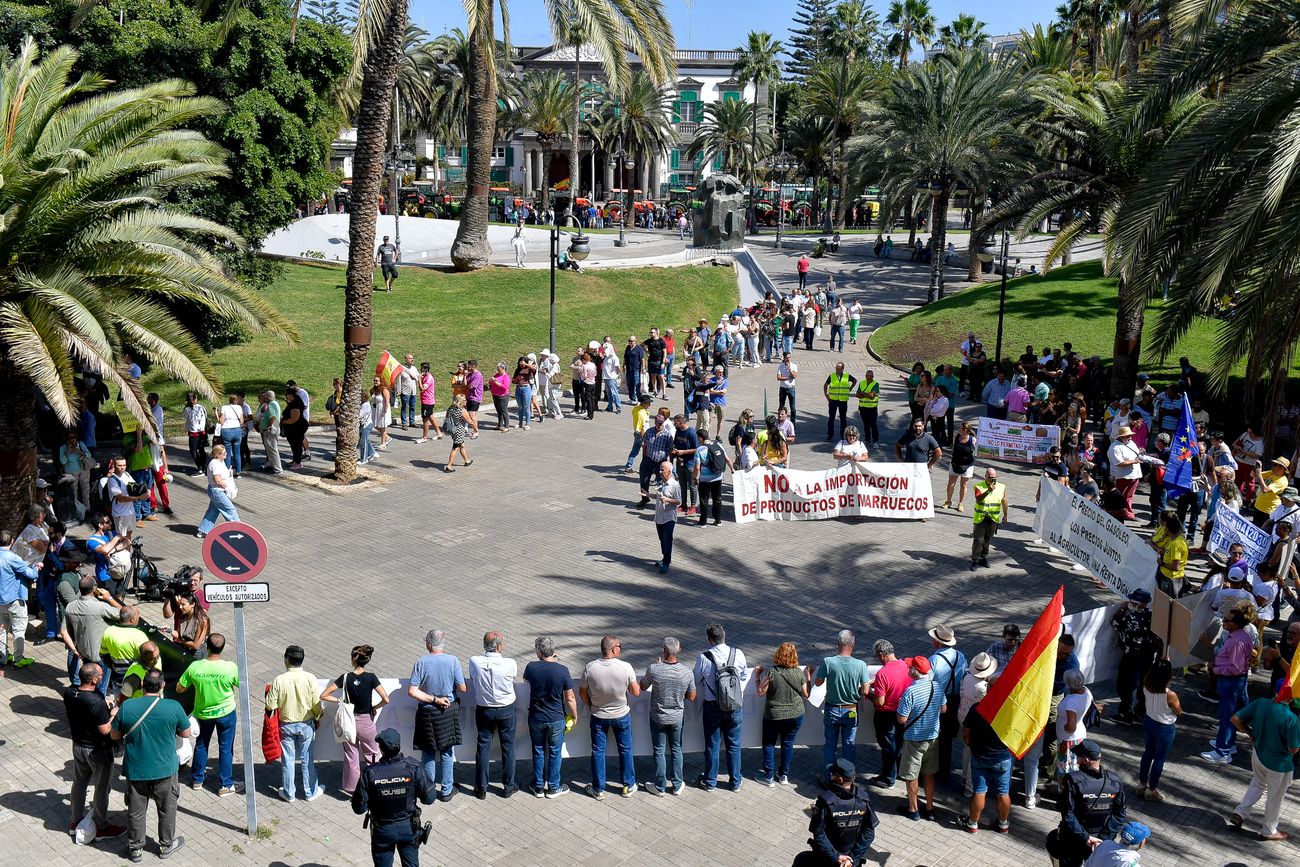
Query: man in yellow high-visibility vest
pixel 990 510
pixel 837 388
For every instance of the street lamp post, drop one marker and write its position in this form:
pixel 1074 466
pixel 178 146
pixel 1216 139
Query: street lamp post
pixel 1002 297
pixel 782 164
pixel 579 250
pixel 624 165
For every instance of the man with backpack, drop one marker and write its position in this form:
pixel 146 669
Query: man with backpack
pixel 721 677
pixel 711 461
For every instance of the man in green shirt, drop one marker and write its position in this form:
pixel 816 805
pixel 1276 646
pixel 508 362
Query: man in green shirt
pixel 148 727
pixel 846 680
pixel 135 672
pixel 1275 735
pixel 120 646
pixel 214 681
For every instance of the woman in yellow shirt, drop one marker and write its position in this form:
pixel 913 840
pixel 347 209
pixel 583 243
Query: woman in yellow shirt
pixel 1172 547
pixel 776 451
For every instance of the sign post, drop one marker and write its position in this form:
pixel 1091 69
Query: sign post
pixel 236 552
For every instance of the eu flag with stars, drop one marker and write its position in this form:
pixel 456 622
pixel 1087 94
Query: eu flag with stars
pixel 1178 472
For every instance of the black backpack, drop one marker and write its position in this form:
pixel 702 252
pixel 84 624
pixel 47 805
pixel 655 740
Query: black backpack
pixel 717 457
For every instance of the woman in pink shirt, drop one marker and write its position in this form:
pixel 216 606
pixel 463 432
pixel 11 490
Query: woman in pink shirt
pixel 499 385
pixel 428 399
pixel 1140 430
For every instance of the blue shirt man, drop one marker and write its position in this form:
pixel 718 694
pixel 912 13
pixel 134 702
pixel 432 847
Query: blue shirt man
pixel 1169 405
pixel 15 579
pixel 436 678
pixel 685 444
pixel 919 708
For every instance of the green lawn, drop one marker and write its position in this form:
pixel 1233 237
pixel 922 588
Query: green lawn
pixel 1075 303
pixel 493 315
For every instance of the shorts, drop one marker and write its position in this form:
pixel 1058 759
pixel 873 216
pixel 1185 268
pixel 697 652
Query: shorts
pixel 655 369
pixel 388 271
pixel 123 524
pixel 426 410
pixel 966 473
pixel 919 758
pixel 472 405
pixel 991 775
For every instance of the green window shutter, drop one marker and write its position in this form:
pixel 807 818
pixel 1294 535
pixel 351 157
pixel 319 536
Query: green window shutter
pixel 730 96
pixel 717 163
pixel 510 156
pixel 699 161
pixel 675 159
pixel 442 152
pixel 464 155
pixel 677 111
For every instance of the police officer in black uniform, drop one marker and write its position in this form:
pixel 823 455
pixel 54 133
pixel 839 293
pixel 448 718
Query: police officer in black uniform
pixel 1092 809
pixel 843 824
pixel 387 793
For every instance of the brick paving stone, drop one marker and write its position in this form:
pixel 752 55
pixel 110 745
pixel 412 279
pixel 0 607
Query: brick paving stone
pixel 538 536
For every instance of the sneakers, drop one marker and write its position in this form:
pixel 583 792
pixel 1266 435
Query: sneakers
pixel 1215 757
pixel 177 845
pixel 652 789
pixel 135 856
pixel 598 794
pixel 1149 794
pixel 225 791
pixel 197 785
pixel 769 781
pixel 702 783
pixel 21 663
pixel 538 792
pixel 1031 801
pixel 677 788
pixel 284 796
pixel 783 780
pixel 911 814
pixel 1004 826
pixel 628 791
pixel 1232 751
pixel 970 826
pixel 422 440
pixel 555 793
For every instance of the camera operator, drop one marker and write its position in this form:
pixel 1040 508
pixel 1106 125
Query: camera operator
pixel 188 579
pixel 387 794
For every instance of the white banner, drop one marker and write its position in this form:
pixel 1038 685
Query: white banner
pixel 1095 645
pixel 867 490
pixel 1113 553
pixel 1229 527
pixel 1015 440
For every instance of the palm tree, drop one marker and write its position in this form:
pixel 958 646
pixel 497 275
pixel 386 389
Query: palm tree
pixel 640 119
pixel 96 253
pixel 1044 49
pixel 847 35
pixel 826 93
pixel 759 65
pixel 966 31
pixel 725 132
pixel 942 116
pixel 542 105
pixel 910 21
pixel 1217 210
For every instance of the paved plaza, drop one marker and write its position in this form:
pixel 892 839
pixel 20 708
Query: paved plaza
pixel 539 537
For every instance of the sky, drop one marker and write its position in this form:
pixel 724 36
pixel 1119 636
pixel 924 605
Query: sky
pixel 717 24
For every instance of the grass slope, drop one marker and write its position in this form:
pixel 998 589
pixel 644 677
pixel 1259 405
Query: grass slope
pixel 493 315
pixel 1075 303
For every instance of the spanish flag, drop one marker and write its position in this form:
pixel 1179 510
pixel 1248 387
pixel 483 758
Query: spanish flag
pixel 1018 702
pixel 1290 687
pixel 387 369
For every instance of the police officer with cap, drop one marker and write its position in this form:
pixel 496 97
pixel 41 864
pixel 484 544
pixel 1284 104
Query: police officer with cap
pixel 843 824
pixel 1092 809
pixel 1124 852
pixel 387 793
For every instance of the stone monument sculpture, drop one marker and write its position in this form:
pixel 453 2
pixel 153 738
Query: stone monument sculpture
pixel 721 222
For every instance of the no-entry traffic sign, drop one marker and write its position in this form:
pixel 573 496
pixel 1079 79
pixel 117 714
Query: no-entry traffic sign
pixel 235 552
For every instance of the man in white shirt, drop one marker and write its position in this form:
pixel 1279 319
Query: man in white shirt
pixel 963 379
pixel 119 492
pixel 493 677
pixel 719 725
pixel 1125 467
pixel 407 390
pixel 611 373
pixel 786 374
pixel 196 429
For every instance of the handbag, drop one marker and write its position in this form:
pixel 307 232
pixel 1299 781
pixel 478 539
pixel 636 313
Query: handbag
pixel 271 733
pixel 345 718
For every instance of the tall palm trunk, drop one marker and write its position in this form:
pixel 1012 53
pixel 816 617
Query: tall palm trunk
pixel 17 446
pixel 752 223
pixel 974 267
pixel 835 147
pixel 909 217
pixel 379 75
pixel 1127 351
pixel 575 149
pixel 938 236
pixel 1131 56
pixel 471 250
pixel 902 51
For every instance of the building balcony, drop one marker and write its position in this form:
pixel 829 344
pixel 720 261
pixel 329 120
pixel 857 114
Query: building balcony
pixel 688 128
pixel 727 56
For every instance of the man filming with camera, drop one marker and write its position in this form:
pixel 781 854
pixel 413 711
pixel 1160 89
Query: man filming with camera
pixel 387 795
pixel 188 579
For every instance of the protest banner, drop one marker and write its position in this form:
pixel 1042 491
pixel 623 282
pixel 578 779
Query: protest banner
pixel 1229 527
pixel 900 491
pixel 1100 543
pixel 1015 440
pixel 1095 644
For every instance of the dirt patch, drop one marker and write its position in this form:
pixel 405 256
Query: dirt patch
pixel 902 345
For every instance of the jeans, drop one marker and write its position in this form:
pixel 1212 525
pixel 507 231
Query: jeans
pixel 889 739
pixel 501 722
pixel 721 726
pixel 49 598
pixel 808 335
pixel 387 837
pixel 524 404
pixel 782 396
pixel 613 402
pixel 783 730
pixel 365 448
pixel 441 768
pixel 668 367
pixel 199 450
pixel 225 728
pixel 233 438
pixel 408 411
pixel 837 331
pixel 636 450
pixel 548 747
pixel 667 740
pixel 751 346
pixel 218 504
pixel 840 727
pixel 142 507
pixel 296 743
pixel 633 385
pixel 1159 737
pixel 665 533
pixel 166 792
pixel 1232 697
pixel 787 342
pixel 622 729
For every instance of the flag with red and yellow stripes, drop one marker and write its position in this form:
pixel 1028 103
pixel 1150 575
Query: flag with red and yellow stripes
pixel 1290 687
pixel 387 369
pixel 1019 701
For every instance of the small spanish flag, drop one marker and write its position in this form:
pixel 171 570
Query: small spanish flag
pixel 1019 701
pixel 1290 688
pixel 387 369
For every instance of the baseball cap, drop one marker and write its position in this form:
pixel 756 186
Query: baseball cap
pixel 920 663
pixel 1134 834
pixel 389 741
pixel 845 767
pixel 42 484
